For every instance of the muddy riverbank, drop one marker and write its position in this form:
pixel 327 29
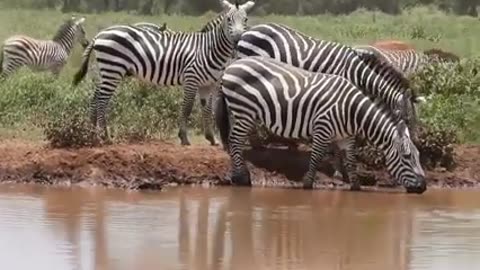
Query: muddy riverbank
pixel 155 165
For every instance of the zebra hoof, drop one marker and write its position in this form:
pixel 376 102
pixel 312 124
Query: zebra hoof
pixel 241 178
pixel 338 175
pixel 183 138
pixel 211 139
pixel 307 184
pixel 355 186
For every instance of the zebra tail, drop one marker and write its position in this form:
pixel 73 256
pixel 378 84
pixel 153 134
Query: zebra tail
pixel 78 77
pixel 222 119
pixel 1 60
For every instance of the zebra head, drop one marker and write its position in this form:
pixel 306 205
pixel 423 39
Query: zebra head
pixel 79 31
pixel 403 161
pixel 235 18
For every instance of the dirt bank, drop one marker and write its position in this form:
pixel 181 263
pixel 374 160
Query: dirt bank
pixel 157 164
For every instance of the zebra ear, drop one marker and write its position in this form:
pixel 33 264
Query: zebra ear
pixel 247 6
pixel 163 27
pixel 81 20
pixel 420 99
pixel 225 4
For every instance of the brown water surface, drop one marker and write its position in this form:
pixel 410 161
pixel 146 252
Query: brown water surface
pixel 230 228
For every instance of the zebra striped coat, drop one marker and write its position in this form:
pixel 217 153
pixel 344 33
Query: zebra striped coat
pixel 41 55
pixel 295 103
pixel 194 60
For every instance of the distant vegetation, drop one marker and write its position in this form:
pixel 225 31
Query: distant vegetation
pixel 36 103
pixel 263 7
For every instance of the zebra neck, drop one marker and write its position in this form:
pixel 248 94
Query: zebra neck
pixel 65 42
pixel 219 46
pixel 378 129
pixel 375 84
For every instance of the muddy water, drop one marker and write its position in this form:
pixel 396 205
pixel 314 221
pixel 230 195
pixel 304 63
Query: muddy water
pixel 227 228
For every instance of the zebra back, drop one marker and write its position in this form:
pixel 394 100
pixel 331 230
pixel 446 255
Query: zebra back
pixel 291 46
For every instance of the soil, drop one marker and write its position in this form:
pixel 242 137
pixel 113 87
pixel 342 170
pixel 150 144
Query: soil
pixel 155 165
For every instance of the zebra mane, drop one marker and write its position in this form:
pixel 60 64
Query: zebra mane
pixel 212 24
pixel 380 66
pixel 63 29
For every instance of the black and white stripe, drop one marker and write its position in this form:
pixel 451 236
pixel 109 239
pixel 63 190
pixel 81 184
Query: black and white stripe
pixel 40 55
pixel 295 103
pixel 193 60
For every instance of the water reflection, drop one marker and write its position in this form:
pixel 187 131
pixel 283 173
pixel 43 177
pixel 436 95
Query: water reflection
pixel 226 228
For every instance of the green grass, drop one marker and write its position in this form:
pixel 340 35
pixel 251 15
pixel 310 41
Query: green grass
pixel 32 101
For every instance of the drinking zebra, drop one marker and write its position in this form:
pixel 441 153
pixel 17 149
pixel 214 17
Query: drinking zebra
pixel 295 103
pixel 41 55
pixel 378 80
pixel 193 60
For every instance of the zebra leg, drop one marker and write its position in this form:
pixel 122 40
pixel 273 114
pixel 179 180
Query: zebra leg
pixel 338 156
pixel 351 168
pixel 10 66
pixel 238 136
pixel 319 148
pixel 206 99
pixel 103 93
pixel 56 71
pixel 190 91
pixel 347 162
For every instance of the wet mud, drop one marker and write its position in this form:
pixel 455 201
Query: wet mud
pixel 155 165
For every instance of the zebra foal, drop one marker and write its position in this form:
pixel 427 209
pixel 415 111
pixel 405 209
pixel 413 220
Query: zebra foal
pixel 41 55
pixel 193 60
pixel 294 103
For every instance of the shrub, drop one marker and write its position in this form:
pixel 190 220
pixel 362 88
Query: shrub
pixel 453 94
pixel 65 120
pixel 137 112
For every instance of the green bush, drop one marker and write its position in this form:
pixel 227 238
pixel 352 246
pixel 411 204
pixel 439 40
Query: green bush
pixel 453 98
pixel 136 112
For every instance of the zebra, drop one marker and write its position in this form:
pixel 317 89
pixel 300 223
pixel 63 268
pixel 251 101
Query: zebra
pixel 41 55
pixel 369 73
pixel 194 60
pixel 410 61
pixel 295 103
